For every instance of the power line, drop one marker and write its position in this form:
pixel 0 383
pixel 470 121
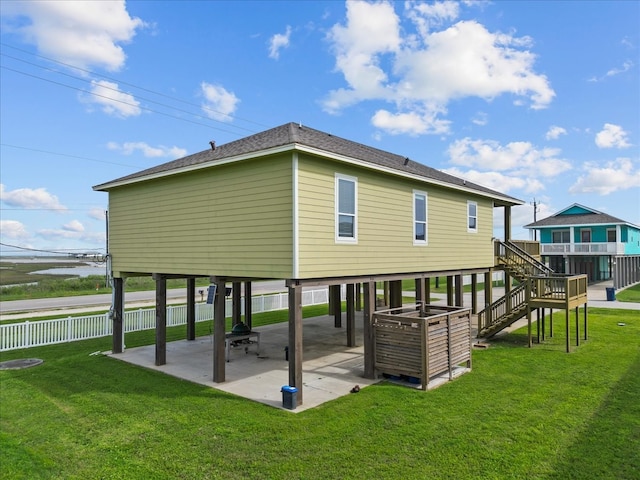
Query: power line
pixel 117 100
pixel 119 81
pixel 85 80
pixel 49 152
pixel 62 251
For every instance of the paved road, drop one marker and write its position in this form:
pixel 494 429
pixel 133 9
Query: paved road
pixel 132 299
pixel 65 305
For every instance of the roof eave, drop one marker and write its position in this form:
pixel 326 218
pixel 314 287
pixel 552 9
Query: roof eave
pixel 503 200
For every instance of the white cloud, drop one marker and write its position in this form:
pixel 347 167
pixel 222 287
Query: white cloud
pixel 97 213
pixel 13 229
pixel 278 42
pixel 147 150
pixel 111 100
pixel 612 136
pixel 411 123
pixel 219 103
pixel 480 118
pixel 554 132
pixel 83 34
pixel 380 60
pixel 498 181
pixel 30 199
pixel 521 158
pixel 616 175
pixel 617 71
pixel 425 15
pixel 74 226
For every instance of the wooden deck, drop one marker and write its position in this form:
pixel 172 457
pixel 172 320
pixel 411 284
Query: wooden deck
pixel 562 292
pixel 557 291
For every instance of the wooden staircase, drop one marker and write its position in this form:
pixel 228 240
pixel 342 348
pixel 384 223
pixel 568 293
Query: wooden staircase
pixel 505 311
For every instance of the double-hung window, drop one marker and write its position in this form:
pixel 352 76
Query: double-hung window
pixel 472 217
pixel 419 218
pixel 346 208
pixel 560 236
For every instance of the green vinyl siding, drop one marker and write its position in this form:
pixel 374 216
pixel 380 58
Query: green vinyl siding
pixel 233 220
pixel 385 225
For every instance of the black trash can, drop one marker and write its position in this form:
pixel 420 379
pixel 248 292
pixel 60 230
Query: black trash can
pixel 289 397
pixel 611 294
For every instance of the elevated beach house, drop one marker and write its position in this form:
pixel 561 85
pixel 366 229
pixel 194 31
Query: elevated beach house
pixel 579 239
pixel 304 206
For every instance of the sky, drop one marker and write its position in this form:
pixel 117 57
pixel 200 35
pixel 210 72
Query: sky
pixel 537 100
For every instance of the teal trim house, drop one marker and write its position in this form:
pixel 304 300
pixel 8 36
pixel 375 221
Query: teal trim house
pixel 579 239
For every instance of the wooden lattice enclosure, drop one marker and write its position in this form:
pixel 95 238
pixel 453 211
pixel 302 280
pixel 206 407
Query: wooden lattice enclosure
pixel 422 342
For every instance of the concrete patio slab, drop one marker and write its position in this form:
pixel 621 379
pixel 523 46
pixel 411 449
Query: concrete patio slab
pixel 330 368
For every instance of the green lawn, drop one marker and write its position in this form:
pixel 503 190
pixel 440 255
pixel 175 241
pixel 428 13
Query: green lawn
pixel 521 413
pixel 631 294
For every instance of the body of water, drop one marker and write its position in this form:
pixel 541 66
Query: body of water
pixel 83 271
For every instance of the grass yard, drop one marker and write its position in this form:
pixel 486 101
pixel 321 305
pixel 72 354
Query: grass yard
pixel 631 294
pixel 521 413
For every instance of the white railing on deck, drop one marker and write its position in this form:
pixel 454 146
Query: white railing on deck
pixel 583 248
pixel 48 332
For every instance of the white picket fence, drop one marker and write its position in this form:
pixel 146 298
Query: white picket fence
pixel 48 332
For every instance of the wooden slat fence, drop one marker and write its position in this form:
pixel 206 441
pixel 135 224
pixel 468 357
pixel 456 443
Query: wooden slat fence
pixel 422 344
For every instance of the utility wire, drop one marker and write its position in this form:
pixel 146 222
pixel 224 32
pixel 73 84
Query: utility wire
pixel 91 81
pixel 147 109
pixel 128 84
pixel 63 251
pixel 48 152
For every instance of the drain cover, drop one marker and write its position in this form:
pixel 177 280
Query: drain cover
pixel 20 363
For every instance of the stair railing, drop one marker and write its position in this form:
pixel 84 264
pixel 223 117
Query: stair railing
pixel 498 311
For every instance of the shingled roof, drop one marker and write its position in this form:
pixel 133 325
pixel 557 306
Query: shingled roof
pixel 294 135
pixel 589 217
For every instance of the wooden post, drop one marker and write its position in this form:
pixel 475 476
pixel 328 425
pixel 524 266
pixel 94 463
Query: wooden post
pixel 507 292
pixel 507 223
pixel 395 294
pixel 295 340
pixel 334 291
pixel 161 319
pixel 538 325
pixel 219 327
pixel 488 296
pixel 369 290
pixel 418 290
pixel 474 293
pixel 351 316
pixel 577 327
pixel 358 297
pixel 450 290
pixel 421 294
pixel 551 323
pixel 236 305
pixel 568 321
pixel 459 289
pixel 248 320
pixel 385 294
pixel 585 321
pixel 543 325
pixel 528 301
pixel 191 308
pixel 427 291
pixel 118 315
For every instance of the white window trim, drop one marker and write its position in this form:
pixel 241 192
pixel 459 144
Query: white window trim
pixel 338 238
pixel 426 218
pixel 590 235
pixel 469 229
